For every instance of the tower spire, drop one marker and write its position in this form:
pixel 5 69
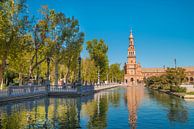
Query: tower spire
pixel 131 34
pixel 131 39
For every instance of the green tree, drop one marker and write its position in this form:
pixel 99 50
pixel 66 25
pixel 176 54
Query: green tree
pixel 175 76
pixel 89 71
pixel 115 73
pixel 98 52
pixel 55 36
pixel 72 53
pixel 171 80
pixel 12 17
pixel 26 45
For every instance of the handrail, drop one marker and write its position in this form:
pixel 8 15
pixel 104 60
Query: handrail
pixel 15 91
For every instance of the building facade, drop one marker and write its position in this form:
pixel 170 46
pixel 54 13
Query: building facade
pixel 148 72
pixel 133 72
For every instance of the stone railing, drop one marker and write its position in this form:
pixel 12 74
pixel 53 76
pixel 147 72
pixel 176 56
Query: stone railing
pixel 30 91
pixel 4 93
pixel 105 86
pixel 15 91
pixel 85 89
pixel 63 89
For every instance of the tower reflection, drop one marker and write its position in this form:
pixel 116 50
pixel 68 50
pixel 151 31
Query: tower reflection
pixel 134 96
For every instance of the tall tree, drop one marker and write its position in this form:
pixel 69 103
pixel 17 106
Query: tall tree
pixel 11 15
pixel 68 44
pixel 98 52
pixel 89 71
pixel 115 73
pixel 175 76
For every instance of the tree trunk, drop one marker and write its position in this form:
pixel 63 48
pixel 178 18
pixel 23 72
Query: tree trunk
pixel 68 72
pixel 20 79
pixel 67 76
pixel 3 68
pixel 56 72
pixel 1 76
pixel 98 78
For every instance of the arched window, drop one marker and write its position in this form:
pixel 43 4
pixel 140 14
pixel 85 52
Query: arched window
pixel 191 79
pixel 187 79
pixel 132 79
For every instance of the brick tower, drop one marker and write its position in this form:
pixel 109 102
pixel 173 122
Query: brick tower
pixel 133 73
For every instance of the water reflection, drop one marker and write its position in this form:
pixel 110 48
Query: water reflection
pixel 59 113
pixel 177 111
pixel 134 96
pixel 46 113
pixel 97 109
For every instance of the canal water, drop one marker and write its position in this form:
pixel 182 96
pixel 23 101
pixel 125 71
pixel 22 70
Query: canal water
pixel 119 108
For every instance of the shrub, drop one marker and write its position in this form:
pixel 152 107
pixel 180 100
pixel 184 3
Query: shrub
pixel 178 89
pixel 165 87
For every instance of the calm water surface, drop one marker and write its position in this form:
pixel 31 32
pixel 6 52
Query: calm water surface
pixel 119 108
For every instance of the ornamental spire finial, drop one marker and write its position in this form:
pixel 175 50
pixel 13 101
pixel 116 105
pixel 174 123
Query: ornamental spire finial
pixel 131 33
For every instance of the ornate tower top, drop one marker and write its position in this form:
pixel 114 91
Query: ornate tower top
pixel 131 49
pixel 131 34
pixel 131 39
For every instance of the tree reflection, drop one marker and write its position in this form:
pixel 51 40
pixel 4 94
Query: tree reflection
pixel 46 113
pixel 177 112
pixel 65 113
pixel 134 96
pixel 114 98
pixel 97 109
pixel 59 113
pixel 98 120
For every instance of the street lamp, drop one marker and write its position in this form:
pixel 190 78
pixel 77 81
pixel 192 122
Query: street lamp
pixel 79 72
pixel 6 73
pixel 48 73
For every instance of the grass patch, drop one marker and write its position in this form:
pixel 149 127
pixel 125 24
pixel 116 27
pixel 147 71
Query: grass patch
pixel 190 93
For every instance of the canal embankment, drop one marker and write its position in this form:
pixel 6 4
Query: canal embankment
pixel 13 93
pixel 186 95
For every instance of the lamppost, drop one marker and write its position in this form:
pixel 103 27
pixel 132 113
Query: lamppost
pixel 79 72
pixel 175 63
pixel 48 73
pixel 6 73
pixel 98 75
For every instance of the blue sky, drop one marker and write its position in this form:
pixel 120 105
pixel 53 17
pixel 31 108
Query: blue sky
pixel 163 29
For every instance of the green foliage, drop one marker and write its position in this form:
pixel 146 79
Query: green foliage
pixel 115 73
pixel 98 53
pixel 89 71
pixel 178 89
pixel 13 36
pixel 190 93
pixel 99 120
pixel 26 44
pixel 173 78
